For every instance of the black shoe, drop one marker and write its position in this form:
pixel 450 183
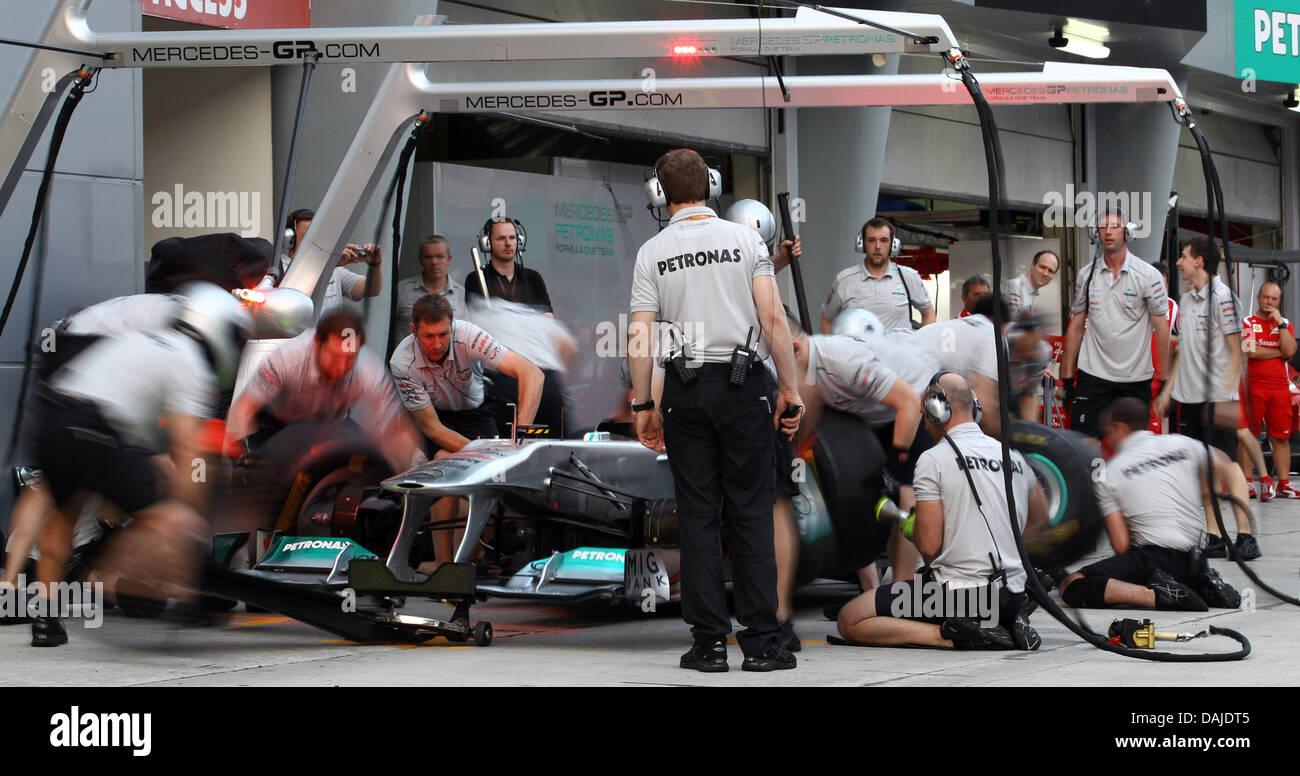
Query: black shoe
pixel 1247 547
pixel 711 658
pixel 1215 548
pixel 1023 634
pixel 832 612
pixel 1217 593
pixel 789 640
pixel 48 632
pixel 774 658
pixel 966 633
pixel 1172 595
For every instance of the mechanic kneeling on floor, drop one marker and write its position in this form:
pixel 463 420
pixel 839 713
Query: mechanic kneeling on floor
pixel 438 369
pixel 1153 496
pixel 963 531
pixel 711 282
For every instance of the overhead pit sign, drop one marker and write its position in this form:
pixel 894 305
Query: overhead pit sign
pixel 1268 39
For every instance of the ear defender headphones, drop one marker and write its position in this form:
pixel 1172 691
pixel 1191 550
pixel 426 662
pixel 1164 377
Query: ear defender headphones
pixel 938 409
pixel 1111 210
pixel 658 195
pixel 485 235
pixel 291 226
pixel 895 244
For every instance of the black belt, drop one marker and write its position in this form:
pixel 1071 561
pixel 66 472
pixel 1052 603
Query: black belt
pixel 712 369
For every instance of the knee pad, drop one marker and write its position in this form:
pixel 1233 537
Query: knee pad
pixel 1086 593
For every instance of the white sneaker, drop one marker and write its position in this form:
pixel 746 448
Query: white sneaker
pixel 1267 490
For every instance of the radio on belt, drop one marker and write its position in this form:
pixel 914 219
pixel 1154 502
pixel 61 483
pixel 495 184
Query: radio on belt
pixel 741 358
pixel 684 373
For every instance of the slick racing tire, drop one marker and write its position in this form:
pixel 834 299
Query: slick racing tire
pixel 314 467
pixel 848 461
pixel 1063 463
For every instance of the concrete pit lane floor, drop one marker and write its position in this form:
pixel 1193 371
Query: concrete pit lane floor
pixel 596 644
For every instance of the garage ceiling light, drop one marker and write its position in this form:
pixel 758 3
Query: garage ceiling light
pixel 1078 45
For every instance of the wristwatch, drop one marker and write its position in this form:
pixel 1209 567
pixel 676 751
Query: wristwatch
pixel 648 405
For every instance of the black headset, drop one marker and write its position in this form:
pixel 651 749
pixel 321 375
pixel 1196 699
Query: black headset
pixel 658 194
pixel 938 409
pixel 895 244
pixel 485 236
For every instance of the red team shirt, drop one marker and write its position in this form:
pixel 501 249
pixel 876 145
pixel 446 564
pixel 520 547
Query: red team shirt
pixel 1266 373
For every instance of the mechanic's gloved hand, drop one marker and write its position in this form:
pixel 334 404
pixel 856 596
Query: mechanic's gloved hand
pixel 1065 389
pixel 896 463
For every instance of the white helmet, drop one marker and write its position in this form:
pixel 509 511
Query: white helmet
pixel 755 215
pixel 219 322
pixel 859 324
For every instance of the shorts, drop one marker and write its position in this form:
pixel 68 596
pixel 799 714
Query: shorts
pixel 1136 565
pixel 79 451
pixel 1269 407
pixel 959 602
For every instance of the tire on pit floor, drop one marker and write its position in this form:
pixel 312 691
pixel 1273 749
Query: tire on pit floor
pixel 847 459
pixel 1063 463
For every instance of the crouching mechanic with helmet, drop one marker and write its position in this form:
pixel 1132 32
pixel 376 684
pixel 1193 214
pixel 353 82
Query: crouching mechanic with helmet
pixel 107 413
pixel 971 593
pixel 1154 497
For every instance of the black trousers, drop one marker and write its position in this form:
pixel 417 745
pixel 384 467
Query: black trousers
pixel 550 409
pixel 1192 422
pixel 1093 394
pixel 719 440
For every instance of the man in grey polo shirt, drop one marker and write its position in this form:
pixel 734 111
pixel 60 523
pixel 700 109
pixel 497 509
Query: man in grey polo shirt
pixel 1152 496
pixel 710 282
pixel 1206 390
pixel 878 284
pixel 1022 291
pixel 1122 300
pixel 962 529
pixel 438 370
pixel 435 258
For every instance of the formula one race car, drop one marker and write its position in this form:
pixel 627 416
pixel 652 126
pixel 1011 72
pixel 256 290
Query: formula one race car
pixel 573 520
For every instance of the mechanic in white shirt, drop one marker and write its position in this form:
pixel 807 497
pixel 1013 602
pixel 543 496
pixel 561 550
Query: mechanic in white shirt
pixel 105 416
pixel 1122 300
pixel 438 369
pixel 435 257
pixel 878 284
pixel 845 374
pixel 711 282
pixel 964 346
pixel 1154 498
pixel 963 531
pixel 325 374
pixel 1022 290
